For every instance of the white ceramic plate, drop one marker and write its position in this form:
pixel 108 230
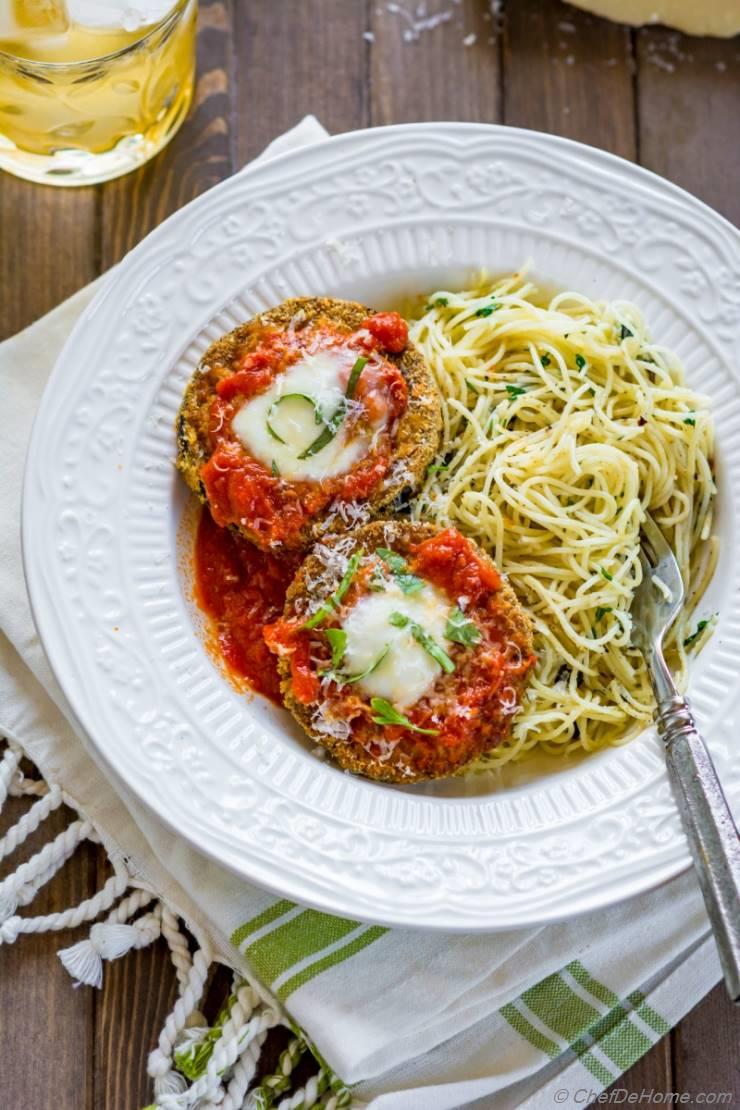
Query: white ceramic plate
pixel 370 215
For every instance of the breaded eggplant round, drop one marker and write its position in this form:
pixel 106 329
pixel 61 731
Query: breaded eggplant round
pixel 402 651
pixel 310 418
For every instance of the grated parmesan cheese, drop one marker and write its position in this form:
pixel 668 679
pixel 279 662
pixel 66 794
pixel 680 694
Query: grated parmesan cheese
pixel 327 725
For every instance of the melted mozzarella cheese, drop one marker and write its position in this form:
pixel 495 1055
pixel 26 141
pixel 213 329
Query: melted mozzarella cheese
pixel 322 376
pixel 408 671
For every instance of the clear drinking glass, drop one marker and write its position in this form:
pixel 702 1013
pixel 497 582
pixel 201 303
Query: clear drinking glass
pixel 90 89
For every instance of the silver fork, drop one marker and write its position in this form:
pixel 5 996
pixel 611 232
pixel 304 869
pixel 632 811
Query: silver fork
pixel 707 821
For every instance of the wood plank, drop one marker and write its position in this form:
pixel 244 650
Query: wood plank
pixel 199 156
pixel 706 1049
pixel 46 1027
pixel 570 74
pixel 138 993
pixel 652 1072
pixel 689 114
pixel 297 58
pixel 448 72
pixel 49 237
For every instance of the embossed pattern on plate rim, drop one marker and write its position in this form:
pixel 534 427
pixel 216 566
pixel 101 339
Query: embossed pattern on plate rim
pixel 549 885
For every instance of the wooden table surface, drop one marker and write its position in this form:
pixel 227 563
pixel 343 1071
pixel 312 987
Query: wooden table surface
pixel 654 96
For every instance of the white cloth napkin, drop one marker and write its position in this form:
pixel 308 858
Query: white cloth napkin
pixel 417 1021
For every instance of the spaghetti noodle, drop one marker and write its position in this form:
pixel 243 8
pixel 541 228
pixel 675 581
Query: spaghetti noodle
pixel 563 423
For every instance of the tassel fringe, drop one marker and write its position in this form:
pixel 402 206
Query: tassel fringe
pixel 194 1066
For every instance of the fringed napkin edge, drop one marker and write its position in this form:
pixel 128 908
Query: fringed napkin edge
pixel 193 1063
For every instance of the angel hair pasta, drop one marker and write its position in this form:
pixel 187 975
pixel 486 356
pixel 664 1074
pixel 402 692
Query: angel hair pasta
pixel 563 423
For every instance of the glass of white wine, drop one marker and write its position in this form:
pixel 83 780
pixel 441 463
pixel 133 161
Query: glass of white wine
pixel 90 89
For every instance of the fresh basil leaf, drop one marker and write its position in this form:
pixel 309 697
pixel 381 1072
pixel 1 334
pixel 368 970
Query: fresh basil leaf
pixel 337 637
pixel 422 637
pixel 386 714
pixel 408 582
pixel 350 678
pixel 332 425
pixel 461 630
pixel 691 640
pixel 332 604
pixel 327 435
pixel 378 581
pixel 354 376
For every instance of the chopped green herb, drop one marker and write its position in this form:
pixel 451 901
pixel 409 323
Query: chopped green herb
pixel 332 604
pixel 545 359
pixel 441 302
pixel 461 630
pixel 332 424
pixel 386 714
pixel 317 414
pixel 337 637
pixel 330 430
pixel 624 332
pixel 431 647
pixel 348 679
pixel 408 582
pixel 580 362
pixel 378 581
pixel 690 640
pixel 691 421
pixel 436 468
pixel 354 376
pixel 275 469
pixel 602 611
pixel 515 391
pixel 486 310
pixel 609 577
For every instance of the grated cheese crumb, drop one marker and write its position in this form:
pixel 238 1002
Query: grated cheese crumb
pixel 327 725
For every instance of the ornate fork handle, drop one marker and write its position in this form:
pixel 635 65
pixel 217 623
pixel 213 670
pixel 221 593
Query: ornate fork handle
pixel 709 828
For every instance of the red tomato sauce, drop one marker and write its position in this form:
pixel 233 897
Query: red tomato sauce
pixel 453 563
pixel 241 588
pixel 241 490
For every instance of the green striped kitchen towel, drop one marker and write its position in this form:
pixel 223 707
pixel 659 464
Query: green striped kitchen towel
pixel 417 1020
pixel 404 1020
